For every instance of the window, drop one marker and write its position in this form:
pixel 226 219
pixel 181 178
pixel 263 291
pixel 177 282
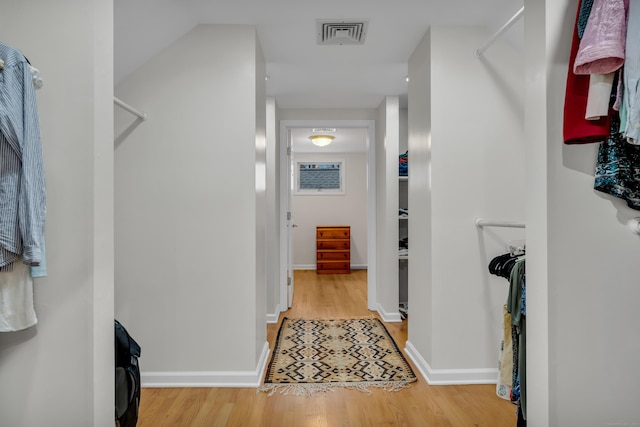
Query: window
pixel 320 178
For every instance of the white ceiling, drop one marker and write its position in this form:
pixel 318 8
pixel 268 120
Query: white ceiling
pixel 347 140
pixel 303 74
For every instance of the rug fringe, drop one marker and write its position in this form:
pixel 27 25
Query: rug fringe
pixel 309 389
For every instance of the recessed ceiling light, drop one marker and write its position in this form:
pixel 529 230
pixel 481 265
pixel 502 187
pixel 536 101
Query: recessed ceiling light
pixel 324 130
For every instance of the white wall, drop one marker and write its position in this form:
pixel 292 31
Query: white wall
pixel 476 158
pixel 404 129
pixel 303 238
pixel 191 208
pixel 477 172
pixel 582 260
pixel 350 209
pixel 273 213
pixel 261 212
pixel 419 144
pixel 140 34
pixel 60 372
pixel 327 114
pixel 387 141
pixel 536 124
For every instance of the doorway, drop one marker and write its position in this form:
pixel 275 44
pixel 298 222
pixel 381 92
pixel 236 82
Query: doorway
pixel 287 221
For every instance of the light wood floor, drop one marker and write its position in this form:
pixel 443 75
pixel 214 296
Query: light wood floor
pixel 329 296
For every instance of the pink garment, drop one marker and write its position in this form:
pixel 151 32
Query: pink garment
pixel 602 46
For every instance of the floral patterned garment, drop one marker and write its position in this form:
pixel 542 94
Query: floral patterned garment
pixel 618 167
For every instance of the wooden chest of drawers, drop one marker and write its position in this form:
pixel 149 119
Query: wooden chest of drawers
pixel 333 249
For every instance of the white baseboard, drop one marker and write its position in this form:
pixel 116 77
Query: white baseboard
pixel 273 318
pixel 450 376
pixel 389 317
pixel 243 379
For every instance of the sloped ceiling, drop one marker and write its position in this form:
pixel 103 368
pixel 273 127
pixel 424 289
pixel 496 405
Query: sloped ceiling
pixel 303 74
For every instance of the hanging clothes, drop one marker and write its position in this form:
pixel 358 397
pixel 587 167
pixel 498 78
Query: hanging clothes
pixel 631 126
pixel 22 191
pixel 599 94
pixel 504 385
pixel 602 47
pixel 16 299
pixel 618 167
pixel 515 306
pixel 576 128
pixel 583 16
pixel 22 195
pixel 602 52
pixel 403 164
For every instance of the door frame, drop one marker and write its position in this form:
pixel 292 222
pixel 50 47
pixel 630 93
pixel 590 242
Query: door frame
pixel 369 125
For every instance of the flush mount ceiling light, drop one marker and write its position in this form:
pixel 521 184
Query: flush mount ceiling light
pixel 321 140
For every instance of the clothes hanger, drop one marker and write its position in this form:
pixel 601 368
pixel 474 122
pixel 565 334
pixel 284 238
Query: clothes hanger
pixel 38 82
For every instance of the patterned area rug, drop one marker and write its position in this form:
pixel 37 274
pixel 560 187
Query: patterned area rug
pixel 317 355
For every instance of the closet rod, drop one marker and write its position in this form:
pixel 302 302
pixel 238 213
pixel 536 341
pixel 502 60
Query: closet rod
pixel 129 108
pixel 498 33
pixel 487 223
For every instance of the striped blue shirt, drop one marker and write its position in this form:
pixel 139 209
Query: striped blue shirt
pixel 22 185
pixel 632 75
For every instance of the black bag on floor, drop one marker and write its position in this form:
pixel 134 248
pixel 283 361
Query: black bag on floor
pixel 127 402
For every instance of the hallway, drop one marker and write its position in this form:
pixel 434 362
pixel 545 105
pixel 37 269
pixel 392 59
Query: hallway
pixel 329 296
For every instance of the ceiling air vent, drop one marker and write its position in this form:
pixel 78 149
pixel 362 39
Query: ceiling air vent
pixel 341 32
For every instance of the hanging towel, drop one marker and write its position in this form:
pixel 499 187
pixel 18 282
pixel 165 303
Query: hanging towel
pixel 16 299
pixel 577 129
